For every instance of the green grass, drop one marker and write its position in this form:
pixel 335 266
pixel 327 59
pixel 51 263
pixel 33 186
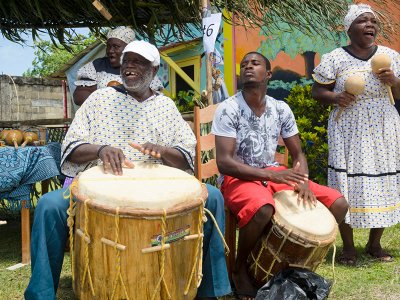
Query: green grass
pixel 369 280
pixel 13 283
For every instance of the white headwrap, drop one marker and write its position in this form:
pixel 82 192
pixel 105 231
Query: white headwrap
pixel 355 10
pixel 122 33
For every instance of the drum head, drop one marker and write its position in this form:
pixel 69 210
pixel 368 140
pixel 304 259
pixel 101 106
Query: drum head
pixel 315 223
pixel 147 186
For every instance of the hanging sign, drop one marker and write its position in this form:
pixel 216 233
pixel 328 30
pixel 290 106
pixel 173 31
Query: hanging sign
pixel 210 28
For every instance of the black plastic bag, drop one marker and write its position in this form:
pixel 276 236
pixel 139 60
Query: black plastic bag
pixel 295 284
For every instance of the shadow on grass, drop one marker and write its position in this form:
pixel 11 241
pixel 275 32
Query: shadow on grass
pixel 65 291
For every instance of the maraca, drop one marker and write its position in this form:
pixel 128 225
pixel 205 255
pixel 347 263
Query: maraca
pixel 29 137
pixel 4 133
pixel 354 85
pixel 14 137
pixel 382 61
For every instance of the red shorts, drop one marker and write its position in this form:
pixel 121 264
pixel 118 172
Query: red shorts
pixel 245 198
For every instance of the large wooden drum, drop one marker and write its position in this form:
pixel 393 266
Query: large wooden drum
pixel 137 236
pixel 299 236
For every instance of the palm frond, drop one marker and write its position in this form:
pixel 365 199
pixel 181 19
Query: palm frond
pixel 19 18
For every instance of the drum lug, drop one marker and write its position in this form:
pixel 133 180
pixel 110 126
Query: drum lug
pixel 82 234
pixel 156 248
pixel 193 236
pixel 113 244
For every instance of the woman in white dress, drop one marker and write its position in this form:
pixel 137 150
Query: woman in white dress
pixel 105 71
pixel 364 139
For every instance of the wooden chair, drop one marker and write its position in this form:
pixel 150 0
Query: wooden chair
pixel 204 143
pixel 209 169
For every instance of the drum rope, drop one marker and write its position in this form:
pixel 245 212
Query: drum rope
pixel 162 268
pixel 312 254
pixel 197 260
pixel 70 222
pixel 285 237
pixel 118 276
pixel 264 245
pixel 86 246
pixel 333 265
pixel 227 250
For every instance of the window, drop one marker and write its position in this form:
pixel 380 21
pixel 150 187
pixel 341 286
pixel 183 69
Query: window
pixel 191 67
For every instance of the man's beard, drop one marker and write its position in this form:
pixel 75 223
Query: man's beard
pixel 140 85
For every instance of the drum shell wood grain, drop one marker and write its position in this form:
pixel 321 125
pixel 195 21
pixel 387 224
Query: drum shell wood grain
pixel 140 272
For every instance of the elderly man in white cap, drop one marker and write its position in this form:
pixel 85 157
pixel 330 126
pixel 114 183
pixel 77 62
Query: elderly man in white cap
pixel 364 139
pixel 109 129
pixel 105 71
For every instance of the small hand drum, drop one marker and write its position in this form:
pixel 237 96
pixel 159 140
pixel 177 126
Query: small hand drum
pixel 299 236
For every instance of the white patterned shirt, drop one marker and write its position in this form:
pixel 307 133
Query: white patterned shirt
pixel 256 137
pixel 110 116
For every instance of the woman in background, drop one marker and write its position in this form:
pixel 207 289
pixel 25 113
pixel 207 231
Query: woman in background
pixel 364 140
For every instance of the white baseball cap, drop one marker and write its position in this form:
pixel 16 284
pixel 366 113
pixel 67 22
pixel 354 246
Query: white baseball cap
pixel 145 49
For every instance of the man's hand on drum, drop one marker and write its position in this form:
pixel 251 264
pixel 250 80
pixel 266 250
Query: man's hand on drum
pixel 113 160
pixel 148 149
pixel 305 194
pixel 289 176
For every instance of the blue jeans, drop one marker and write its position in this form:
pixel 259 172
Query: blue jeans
pixel 50 233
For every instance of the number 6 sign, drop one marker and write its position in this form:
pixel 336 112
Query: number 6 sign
pixel 210 30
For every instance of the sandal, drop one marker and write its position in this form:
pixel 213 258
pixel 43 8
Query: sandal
pixel 347 259
pixel 379 254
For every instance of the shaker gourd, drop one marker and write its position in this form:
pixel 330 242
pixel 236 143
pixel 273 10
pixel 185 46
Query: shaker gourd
pixel 113 83
pixel 14 137
pixel 29 138
pixel 354 85
pixel 380 61
pixel 4 133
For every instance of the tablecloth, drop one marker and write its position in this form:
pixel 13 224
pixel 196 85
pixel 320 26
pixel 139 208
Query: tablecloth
pixel 21 168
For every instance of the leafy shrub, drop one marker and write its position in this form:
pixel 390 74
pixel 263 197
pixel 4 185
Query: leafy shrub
pixel 185 101
pixel 312 121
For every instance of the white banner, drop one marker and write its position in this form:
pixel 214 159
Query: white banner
pixel 210 28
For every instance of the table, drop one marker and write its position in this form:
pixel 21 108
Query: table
pixel 20 169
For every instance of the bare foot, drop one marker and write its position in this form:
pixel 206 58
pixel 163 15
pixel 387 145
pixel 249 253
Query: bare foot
pixel 244 289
